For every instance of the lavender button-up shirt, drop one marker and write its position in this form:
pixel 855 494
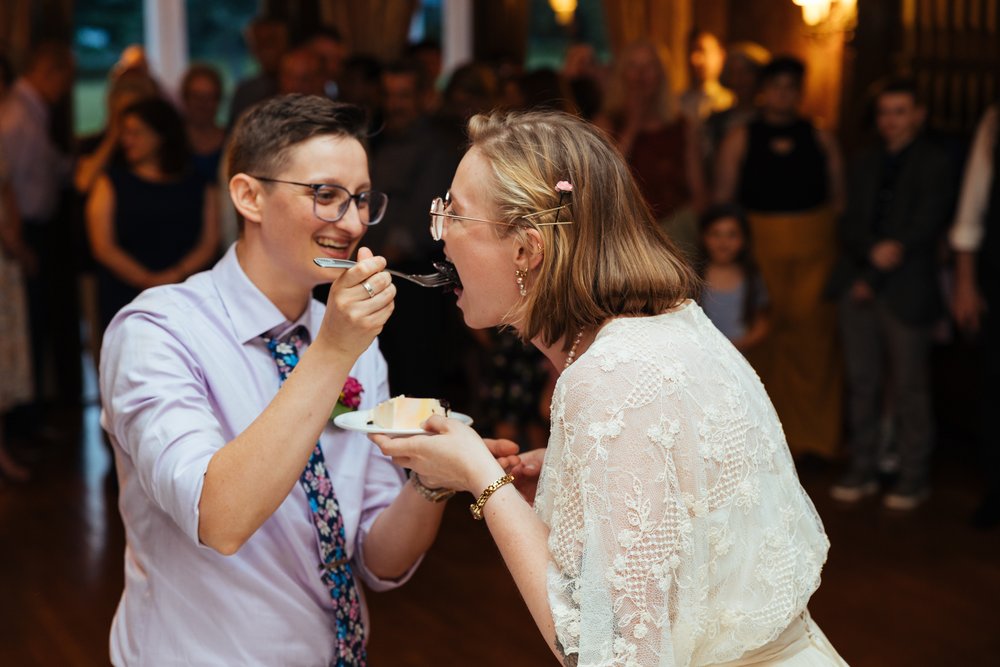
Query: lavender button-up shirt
pixel 183 372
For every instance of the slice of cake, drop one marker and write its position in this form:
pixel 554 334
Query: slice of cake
pixel 403 412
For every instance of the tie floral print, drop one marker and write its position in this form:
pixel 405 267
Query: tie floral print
pixel 335 568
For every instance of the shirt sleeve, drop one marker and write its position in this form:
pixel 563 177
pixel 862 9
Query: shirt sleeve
pixel 157 410
pixel 383 481
pixel 968 228
pixel 616 600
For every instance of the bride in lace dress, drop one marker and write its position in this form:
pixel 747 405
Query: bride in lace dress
pixel 669 526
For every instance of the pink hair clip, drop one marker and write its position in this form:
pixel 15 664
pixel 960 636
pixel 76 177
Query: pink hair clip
pixel 564 186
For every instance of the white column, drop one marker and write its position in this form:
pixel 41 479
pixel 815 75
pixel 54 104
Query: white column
pixel 165 29
pixel 456 17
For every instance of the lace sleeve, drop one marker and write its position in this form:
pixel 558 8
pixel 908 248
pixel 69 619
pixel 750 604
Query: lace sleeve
pixel 621 536
pixel 678 531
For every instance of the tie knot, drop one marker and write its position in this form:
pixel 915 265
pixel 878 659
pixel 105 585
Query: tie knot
pixel 297 337
pixel 285 350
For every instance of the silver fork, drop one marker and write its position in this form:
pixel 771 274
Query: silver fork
pixel 424 280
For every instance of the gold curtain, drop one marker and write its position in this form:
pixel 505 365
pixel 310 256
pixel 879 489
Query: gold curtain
pixel 376 28
pixel 664 22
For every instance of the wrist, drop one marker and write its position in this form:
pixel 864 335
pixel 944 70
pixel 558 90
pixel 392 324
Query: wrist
pixel 432 494
pixel 484 476
pixel 477 507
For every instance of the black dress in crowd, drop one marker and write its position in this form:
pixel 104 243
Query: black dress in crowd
pixel 157 223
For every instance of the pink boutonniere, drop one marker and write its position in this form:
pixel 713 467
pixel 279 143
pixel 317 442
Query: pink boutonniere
pixel 350 397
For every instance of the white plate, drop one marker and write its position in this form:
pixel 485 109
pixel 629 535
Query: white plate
pixel 358 420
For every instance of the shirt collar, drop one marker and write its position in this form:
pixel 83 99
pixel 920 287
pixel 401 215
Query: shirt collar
pixel 249 309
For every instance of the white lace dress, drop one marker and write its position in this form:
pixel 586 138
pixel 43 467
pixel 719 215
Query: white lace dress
pixel 679 532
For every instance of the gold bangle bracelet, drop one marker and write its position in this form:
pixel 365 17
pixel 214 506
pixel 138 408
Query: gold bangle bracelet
pixel 477 507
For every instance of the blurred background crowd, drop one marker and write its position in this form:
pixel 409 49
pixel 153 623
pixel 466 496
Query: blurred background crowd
pixel 847 240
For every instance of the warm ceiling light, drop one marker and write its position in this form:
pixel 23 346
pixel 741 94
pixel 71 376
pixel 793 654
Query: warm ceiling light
pixel 564 10
pixel 814 12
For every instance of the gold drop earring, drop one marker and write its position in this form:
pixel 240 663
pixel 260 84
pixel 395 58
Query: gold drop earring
pixel 519 276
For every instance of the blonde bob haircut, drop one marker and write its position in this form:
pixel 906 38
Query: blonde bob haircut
pixel 613 261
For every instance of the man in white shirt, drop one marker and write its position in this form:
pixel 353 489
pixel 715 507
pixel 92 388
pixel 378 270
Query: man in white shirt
pixel 975 238
pixel 38 172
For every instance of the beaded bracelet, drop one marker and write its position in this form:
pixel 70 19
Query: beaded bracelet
pixel 477 507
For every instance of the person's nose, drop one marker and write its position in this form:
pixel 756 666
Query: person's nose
pixel 352 219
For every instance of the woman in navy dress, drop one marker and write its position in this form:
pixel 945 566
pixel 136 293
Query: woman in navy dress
pixel 153 220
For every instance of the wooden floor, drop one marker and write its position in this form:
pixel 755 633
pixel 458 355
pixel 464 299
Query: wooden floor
pixel 915 589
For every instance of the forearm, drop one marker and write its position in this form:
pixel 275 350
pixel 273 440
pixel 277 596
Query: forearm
pixel 755 334
pixel 90 167
pixel 965 268
pixel 124 267
pixel 252 475
pixel 198 258
pixel 208 242
pixel 522 539
pixel 403 532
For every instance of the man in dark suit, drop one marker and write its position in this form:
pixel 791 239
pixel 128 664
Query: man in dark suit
pixel 899 201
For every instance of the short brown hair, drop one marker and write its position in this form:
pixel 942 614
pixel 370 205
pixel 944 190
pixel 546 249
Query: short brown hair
pixel 614 260
pixel 264 134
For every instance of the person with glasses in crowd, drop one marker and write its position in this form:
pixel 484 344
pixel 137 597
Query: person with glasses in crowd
pixel 250 520
pixel 669 526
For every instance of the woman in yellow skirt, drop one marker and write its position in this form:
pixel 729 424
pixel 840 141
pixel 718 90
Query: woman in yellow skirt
pixel 787 174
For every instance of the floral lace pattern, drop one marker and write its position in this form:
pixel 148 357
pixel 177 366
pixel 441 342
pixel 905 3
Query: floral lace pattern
pixel 679 532
pixel 335 568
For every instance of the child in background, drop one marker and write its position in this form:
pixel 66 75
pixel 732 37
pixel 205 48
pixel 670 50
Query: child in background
pixel 734 296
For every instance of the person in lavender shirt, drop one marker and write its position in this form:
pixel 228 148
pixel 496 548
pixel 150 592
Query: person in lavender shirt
pixel 223 563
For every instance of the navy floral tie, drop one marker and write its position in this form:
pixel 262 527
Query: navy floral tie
pixel 336 568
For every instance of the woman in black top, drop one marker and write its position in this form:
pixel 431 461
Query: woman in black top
pixel 786 173
pixel 153 221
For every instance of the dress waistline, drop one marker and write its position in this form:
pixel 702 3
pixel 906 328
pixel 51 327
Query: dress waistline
pixel 795 638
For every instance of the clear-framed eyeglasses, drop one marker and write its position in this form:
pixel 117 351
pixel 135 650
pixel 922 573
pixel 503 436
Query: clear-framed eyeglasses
pixel 439 212
pixel 330 202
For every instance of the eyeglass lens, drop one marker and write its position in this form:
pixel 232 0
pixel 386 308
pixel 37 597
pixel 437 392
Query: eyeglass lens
pixel 437 218
pixel 333 201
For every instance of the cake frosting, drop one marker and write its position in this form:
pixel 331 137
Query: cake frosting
pixel 404 412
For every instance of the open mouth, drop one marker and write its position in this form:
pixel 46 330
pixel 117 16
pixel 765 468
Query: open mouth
pixel 448 270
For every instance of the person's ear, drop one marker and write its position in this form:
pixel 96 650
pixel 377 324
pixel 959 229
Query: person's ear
pixel 246 193
pixel 529 249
